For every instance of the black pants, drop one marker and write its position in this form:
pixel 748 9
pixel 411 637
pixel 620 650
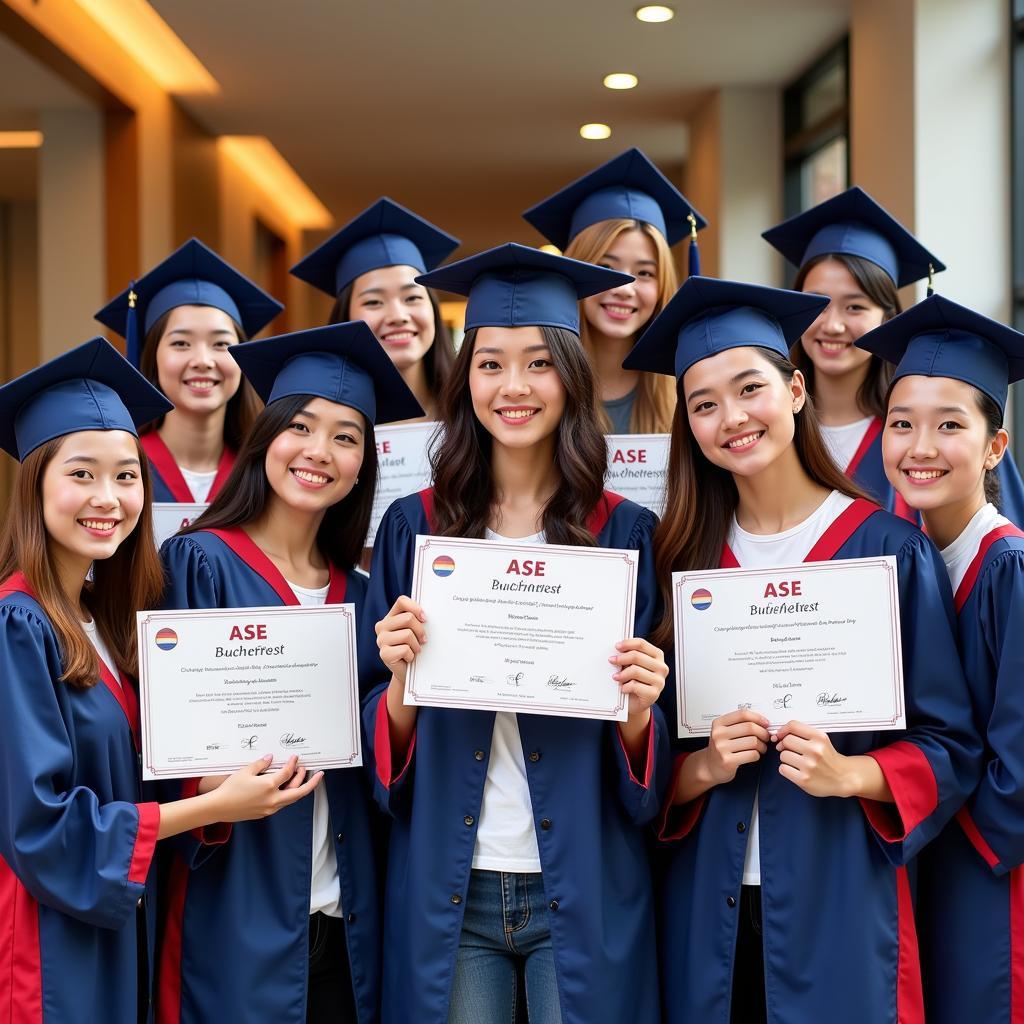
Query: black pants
pixel 748 999
pixel 330 999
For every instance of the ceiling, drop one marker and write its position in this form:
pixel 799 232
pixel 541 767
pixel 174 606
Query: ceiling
pixel 468 110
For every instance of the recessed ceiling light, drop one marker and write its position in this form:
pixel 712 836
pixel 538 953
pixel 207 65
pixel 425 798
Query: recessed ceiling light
pixel 655 13
pixel 595 131
pixel 620 80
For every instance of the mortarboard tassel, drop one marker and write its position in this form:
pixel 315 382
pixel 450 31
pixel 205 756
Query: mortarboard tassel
pixel 131 331
pixel 931 281
pixel 693 267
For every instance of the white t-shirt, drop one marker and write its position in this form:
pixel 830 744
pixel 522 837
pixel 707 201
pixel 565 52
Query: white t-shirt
pixel 843 442
pixel 325 889
pixel 762 551
pixel 93 633
pixel 959 555
pixel 506 839
pixel 199 484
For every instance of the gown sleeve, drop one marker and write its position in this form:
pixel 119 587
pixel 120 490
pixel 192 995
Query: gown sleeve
pixel 82 857
pixel 994 816
pixel 933 767
pixel 390 578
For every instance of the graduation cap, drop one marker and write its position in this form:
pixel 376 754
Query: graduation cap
pixel 92 387
pixel 383 235
pixel 343 363
pixel 193 275
pixel 939 338
pixel 517 286
pixel 707 316
pixel 628 187
pixel 853 224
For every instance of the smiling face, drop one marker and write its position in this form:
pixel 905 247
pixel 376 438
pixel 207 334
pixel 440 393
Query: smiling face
pixel 937 443
pixel 397 310
pixel 93 495
pixel 740 409
pixel 314 462
pixel 622 312
pixel 829 341
pixel 516 391
pixel 194 368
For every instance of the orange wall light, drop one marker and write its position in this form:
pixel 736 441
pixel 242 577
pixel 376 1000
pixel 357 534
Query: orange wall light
pixel 152 43
pixel 21 140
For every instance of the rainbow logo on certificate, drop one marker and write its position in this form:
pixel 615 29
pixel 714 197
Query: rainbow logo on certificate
pixel 166 639
pixel 444 565
pixel 701 600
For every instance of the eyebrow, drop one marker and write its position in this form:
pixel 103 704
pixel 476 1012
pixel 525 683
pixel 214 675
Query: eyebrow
pixel 501 351
pixel 338 423
pixel 93 462
pixel 191 330
pixel 615 259
pixel 380 291
pixel 941 409
pixel 742 375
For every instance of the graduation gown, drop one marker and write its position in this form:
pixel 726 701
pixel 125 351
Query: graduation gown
pixel 166 478
pixel 971 879
pixel 589 808
pixel 76 840
pixel 235 941
pixel 839 937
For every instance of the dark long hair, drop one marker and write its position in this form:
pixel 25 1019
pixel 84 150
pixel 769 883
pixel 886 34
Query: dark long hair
pixel 464 493
pixel 130 580
pixel 244 495
pixel 440 357
pixel 243 406
pixel 701 497
pixel 878 286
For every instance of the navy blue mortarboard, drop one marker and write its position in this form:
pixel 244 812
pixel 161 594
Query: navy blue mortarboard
pixel 343 363
pixel 517 286
pixel 193 275
pixel 938 338
pixel 707 316
pixel 383 235
pixel 853 224
pixel 628 187
pixel 92 387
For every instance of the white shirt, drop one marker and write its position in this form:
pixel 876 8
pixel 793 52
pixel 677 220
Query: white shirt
pixel 93 633
pixel 762 551
pixel 506 839
pixel 959 555
pixel 324 889
pixel 843 442
pixel 199 484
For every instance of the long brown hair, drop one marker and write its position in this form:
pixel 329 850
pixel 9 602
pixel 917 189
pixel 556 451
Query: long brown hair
pixel 129 581
pixel 701 497
pixel 439 358
pixel 464 493
pixel 246 491
pixel 878 286
pixel 655 396
pixel 243 406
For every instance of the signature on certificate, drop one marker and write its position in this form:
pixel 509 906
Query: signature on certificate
pixel 515 678
pixel 560 683
pixel 830 699
pixel 783 702
pixel 290 739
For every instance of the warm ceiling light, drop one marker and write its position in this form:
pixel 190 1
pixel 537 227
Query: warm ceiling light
pixel 553 249
pixel 655 13
pixel 259 158
pixel 150 41
pixel 21 140
pixel 620 80
pixel 595 131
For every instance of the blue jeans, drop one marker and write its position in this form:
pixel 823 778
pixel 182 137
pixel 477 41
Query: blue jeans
pixel 505 958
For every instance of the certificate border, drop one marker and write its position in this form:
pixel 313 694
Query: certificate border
pixel 886 562
pixel 147 619
pixel 624 486
pixel 485 704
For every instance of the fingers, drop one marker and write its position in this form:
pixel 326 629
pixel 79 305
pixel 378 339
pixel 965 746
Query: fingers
pixel 797 729
pixel 297 779
pixel 795 743
pixel 291 796
pixel 749 743
pixel 741 715
pixel 260 766
pixel 641 659
pixel 401 638
pixel 403 605
pixel 637 643
pixel 640 675
pixel 284 773
pixel 742 729
pixel 404 624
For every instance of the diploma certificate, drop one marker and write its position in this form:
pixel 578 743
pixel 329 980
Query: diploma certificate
pixel 638 467
pixel 220 688
pixel 817 642
pixel 171 516
pixel 403 467
pixel 520 627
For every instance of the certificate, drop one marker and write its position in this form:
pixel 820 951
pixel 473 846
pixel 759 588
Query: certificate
pixel 220 688
pixel 520 627
pixel 638 468
pixel 403 466
pixel 171 516
pixel 817 642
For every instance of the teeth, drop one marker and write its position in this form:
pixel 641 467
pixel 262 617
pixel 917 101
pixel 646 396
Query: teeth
pixel 622 310
pixel 925 474
pixel 201 385
pixel 98 524
pixel 517 414
pixel 406 336
pixel 834 346
pixel 742 442
pixel 311 478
